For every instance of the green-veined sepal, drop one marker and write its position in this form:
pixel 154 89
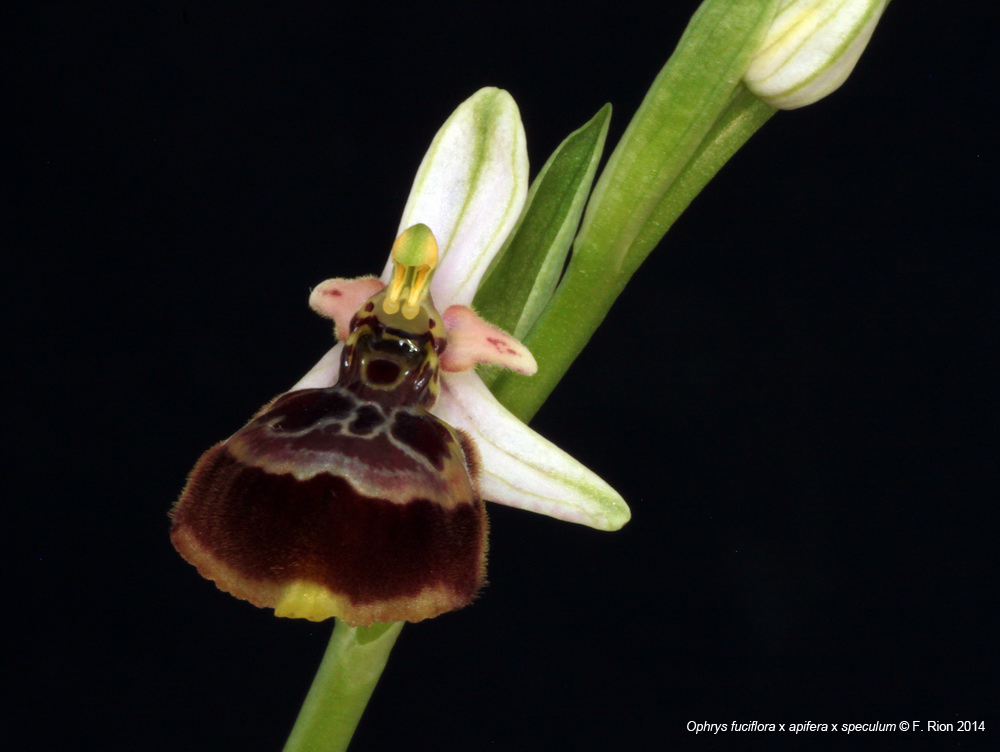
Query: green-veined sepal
pixel 469 190
pixel 522 469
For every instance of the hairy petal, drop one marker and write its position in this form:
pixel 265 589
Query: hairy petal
pixel 339 299
pixel 522 469
pixel 471 340
pixel 469 190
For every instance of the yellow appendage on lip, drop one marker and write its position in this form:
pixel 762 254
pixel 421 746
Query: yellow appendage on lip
pixel 307 600
pixel 312 601
pixel 414 256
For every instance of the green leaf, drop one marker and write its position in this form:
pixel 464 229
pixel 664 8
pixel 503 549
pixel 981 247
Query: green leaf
pixel 522 278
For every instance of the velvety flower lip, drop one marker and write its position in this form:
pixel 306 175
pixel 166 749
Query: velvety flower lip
pixel 469 190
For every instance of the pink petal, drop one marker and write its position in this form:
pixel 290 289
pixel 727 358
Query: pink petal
pixel 339 299
pixel 471 340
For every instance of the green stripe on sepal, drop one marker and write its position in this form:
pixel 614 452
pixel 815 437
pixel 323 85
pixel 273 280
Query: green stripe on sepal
pixel 470 190
pixel 523 276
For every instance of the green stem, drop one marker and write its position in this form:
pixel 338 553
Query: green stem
pixel 346 678
pixel 591 285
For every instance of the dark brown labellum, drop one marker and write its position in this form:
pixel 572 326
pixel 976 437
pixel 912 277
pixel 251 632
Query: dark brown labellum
pixel 352 501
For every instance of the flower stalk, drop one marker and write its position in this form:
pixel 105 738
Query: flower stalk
pixel 344 683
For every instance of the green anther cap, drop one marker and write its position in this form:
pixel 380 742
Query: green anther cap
pixel 414 256
pixel 416 247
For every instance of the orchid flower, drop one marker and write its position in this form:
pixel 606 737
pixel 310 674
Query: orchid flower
pixel 469 190
pixel 390 443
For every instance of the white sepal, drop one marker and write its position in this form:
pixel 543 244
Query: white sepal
pixel 469 190
pixel 324 373
pixel 522 469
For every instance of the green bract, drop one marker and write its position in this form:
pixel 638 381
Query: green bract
pixel 695 115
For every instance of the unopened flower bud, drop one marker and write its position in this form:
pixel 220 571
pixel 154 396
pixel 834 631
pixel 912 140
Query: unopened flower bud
pixel 811 49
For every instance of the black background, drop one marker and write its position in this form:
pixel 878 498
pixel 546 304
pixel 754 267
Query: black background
pixel 796 395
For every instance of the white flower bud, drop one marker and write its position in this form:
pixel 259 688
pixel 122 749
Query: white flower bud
pixel 811 49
